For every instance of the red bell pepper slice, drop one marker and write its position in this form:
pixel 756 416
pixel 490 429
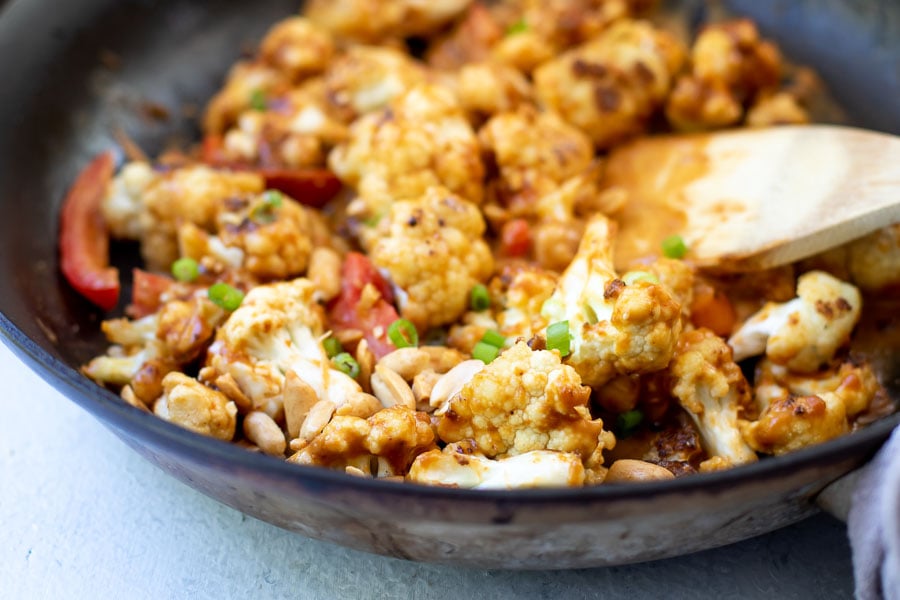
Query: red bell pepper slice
pixel 515 238
pixel 146 290
pixel 311 187
pixel 83 238
pixel 346 313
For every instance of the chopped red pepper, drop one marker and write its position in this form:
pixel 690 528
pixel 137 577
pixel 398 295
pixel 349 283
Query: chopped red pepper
pixel 146 290
pixel 83 239
pixel 515 238
pixel 312 187
pixel 372 319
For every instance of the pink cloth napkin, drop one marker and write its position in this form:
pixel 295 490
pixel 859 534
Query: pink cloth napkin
pixel 873 525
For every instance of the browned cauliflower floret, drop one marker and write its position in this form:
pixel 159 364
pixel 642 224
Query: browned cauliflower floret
pixel 521 291
pixel 432 250
pixel 422 140
pixel 488 88
pixel 374 20
pixel 149 206
pixel 293 50
pixel 874 260
pixel 190 404
pixel 794 422
pixel 458 465
pixel 854 383
pixel 730 64
pixel 712 389
pixel 277 328
pixel 383 445
pixel 611 86
pixel 805 333
pixel 267 235
pixel 143 351
pixel 469 41
pixel 523 401
pixel 779 108
pixel 615 328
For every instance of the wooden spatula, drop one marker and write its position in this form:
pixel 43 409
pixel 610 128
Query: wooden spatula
pixel 755 198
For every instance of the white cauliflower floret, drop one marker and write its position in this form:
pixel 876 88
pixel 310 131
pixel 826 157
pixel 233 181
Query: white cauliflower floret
pixel 806 332
pixel 374 20
pixel 190 404
pixel 490 88
pixel 712 389
pixel 385 444
pixel 267 235
pixel 422 140
pixel 610 86
pixel 150 207
pixel 615 329
pixel 523 289
pixel 522 401
pixel 277 328
pixel 432 250
pixel 457 466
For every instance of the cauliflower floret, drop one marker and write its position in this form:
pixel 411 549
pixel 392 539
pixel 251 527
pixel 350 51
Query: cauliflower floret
pixel 432 250
pixel 422 140
pixel 146 349
pixel 615 329
pixel 190 404
pixel 806 332
pixel 457 466
pixel 267 235
pixel 854 383
pixel 367 78
pixel 523 289
pixel 277 328
pixel 611 86
pixel 794 422
pixel 489 88
pixel 779 108
pixel 374 20
pixel 469 41
pixel 383 445
pixel 297 48
pixel 712 389
pixel 123 203
pixel 196 195
pixel 246 82
pixel 729 65
pixel 522 401
pixel 874 260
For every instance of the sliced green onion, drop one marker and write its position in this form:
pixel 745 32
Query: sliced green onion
pixel 375 219
pixel 632 277
pixel 225 296
pixel 627 423
pixel 185 269
pixel 485 352
pixel 403 334
pixel 258 100
pixel 674 247
pixel 332 346
pixel 519 26
pixel 346 363
pixel 264 210
pixel 479 297
pixel 558 337
pixel 494 338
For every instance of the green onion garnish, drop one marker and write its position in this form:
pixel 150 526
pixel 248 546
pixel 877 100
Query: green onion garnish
pixel 674 247
pixel 632 277
pixel 185 269
pixel 558 337
pixel 518 27
pixel 627 423
pixel 479 298
pixel 332 346
pixel 225 296
pixel 264 211
pixel 494 338
pixel 485 352
pixel 403 334
pixel 258 100
pixel 346 363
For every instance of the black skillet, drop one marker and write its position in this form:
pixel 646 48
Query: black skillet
pixel 75 72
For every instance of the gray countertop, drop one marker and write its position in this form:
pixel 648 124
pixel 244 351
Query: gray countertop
pixel 83 516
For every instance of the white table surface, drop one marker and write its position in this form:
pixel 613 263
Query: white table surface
pixel 83 516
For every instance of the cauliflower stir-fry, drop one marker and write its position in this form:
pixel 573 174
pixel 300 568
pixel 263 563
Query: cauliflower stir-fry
pixel 392 256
